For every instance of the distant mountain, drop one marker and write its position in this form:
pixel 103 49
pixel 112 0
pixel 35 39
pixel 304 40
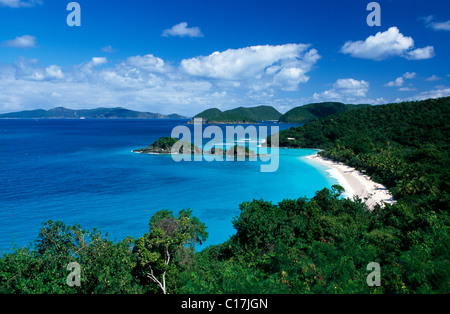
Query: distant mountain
pixel 98 113
pixel 311 112
pixel 239 115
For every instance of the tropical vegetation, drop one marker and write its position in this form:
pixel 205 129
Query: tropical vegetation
pixel 318 245
pixel 239 115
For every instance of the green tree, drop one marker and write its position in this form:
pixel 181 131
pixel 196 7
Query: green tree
pixel 171 238
pixel 106 267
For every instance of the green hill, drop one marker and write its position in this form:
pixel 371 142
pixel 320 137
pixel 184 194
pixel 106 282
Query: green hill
pixel 209 114
pixel 311 112
pixel 98 113
pixel 260 113
pixel 404 146
pixel 239 115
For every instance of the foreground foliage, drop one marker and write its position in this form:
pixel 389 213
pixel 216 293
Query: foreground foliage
pixel 324 245
pixel 321 245
pixel 107 267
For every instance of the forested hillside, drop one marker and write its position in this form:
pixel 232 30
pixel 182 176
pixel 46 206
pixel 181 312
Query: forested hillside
pixel 239 115
pixel 404 146
pixel 311 112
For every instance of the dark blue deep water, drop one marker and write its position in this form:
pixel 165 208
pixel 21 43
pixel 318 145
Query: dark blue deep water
pixel 83 171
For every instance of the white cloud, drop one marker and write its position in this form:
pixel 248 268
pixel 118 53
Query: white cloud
pixel 98 60
pixel 432 78
pixel 383 45
pixel 352 87
pixel 148 63
pixel 399 81
pixel 437 26
pixel 109 49
pixel 441 26
pixel 182 30
pixel 19 3
pixel 54 71
pixel 345 90
pixel 284 66
pixel 87 71
pixel 289 78
pixel 421 53
pixel 24 42
pixel 88 67
pixel 29 69
pixel 242 77
pixel 410 75
pixel 437 92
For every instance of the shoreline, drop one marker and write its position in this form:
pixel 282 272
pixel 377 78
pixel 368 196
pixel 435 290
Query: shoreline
pixel 355 183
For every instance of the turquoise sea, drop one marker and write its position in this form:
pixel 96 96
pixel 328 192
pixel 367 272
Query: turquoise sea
pixel 83 171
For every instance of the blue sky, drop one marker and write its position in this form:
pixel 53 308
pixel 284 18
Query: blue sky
pixel 185 56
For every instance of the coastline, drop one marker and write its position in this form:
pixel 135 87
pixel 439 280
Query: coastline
pixel 355 183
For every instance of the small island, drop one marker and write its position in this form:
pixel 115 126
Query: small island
pixel 164 146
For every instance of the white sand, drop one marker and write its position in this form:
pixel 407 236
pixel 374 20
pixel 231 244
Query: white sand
pixel 355 183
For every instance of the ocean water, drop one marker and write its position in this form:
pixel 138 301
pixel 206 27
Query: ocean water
pixel 83 171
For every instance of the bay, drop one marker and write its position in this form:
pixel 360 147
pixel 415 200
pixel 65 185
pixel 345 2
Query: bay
pixel 83 171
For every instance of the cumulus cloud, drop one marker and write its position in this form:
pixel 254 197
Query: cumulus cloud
pixel 182 30
pixel 284 66
pixel 420 53
pixel 352 87
pixel 23 42
pixel 399 81
pixel 98 60
pixel 383 45
pixel 96 83
pixel 31 70
pixel 54 72
pixel 148 63
pixel 410 75
pixel 232 78
pixel 89 66
pixel 20 3
pixel 345 90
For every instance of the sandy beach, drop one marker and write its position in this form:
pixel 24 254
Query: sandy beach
pixel 355 183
